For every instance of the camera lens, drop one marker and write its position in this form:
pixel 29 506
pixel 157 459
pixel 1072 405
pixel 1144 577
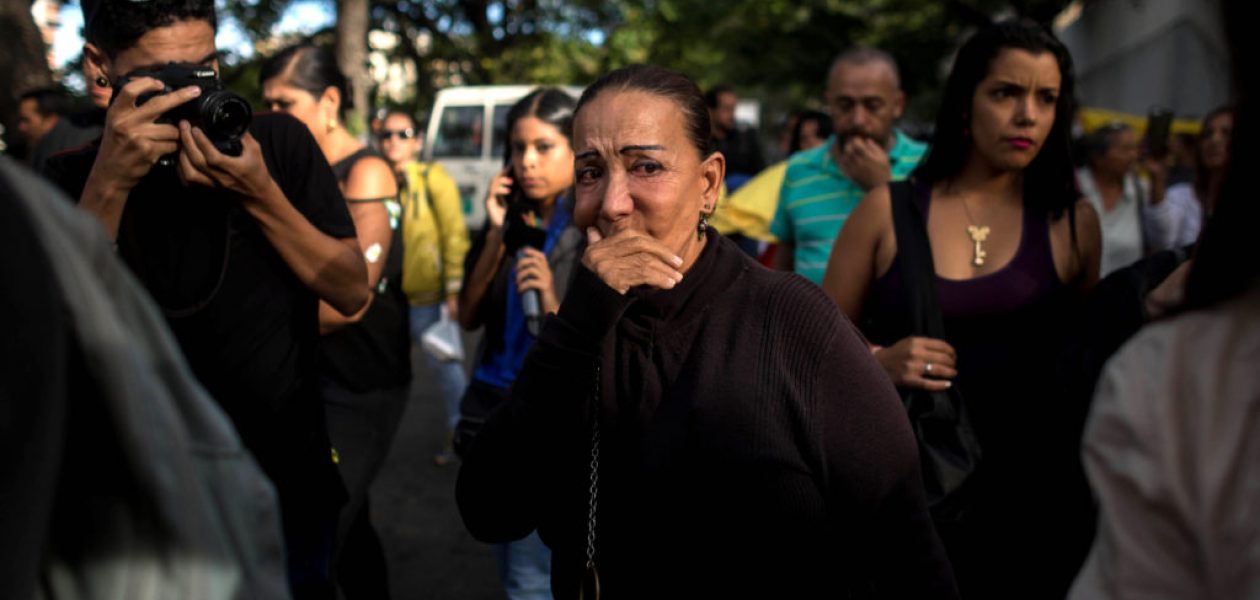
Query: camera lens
pixel 226 116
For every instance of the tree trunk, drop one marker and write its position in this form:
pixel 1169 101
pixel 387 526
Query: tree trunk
pixel 25 65
pixel 352 57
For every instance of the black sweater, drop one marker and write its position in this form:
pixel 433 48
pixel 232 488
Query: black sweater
pixel 750 445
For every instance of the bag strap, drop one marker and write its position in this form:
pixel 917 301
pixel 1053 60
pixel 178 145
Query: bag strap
pixel 589 586
pixel 422 190
pixel 425 169
pixel 915 261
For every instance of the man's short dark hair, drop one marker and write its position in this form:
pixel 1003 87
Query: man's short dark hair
pixel 863 55
pixel 115 25
pixel 711 96
pixel 48 101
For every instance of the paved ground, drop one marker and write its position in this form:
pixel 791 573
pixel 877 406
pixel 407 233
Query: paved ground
pixel 413 507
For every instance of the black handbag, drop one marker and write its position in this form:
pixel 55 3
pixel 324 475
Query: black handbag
pixel 948 449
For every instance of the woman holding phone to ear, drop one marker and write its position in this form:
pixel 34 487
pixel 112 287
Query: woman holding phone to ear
pixel 529 199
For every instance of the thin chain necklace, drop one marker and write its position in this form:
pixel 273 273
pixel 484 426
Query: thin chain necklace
pixel 978 234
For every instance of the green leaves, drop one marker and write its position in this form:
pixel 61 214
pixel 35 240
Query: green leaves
pixel 778 50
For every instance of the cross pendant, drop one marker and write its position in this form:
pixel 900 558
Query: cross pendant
pixel 978 236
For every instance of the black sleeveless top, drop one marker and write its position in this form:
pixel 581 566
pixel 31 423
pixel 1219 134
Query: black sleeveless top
pixel 1007 329
pixel 374 353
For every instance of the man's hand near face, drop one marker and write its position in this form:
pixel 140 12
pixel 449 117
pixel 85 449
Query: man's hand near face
pixel 201 163
pixel 864 161
pixel 130 145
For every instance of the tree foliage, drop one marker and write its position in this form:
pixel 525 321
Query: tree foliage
pixel 777 50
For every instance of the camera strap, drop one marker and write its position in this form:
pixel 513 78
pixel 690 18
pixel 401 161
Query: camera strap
pixel 201 304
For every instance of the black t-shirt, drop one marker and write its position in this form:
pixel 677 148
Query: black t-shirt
pixel 374 353
pixel 246 324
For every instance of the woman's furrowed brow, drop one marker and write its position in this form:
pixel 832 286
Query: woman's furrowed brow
pixel 640 148
pixel 631 149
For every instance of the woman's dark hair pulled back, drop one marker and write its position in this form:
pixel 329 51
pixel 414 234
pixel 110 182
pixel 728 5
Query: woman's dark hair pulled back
pixel 662 82
pixel 550 105
pixel 310 68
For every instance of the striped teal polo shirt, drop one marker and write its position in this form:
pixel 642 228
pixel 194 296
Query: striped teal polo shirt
pixel 816 198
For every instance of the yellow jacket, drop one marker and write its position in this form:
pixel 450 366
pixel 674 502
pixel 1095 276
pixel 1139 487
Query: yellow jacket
pixel 435 238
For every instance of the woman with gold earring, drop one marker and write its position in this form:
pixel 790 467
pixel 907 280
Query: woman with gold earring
pixel 997 250
pixel 690 424
pixel 365 358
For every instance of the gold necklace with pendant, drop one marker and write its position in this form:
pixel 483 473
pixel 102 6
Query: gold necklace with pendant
pixel 978 234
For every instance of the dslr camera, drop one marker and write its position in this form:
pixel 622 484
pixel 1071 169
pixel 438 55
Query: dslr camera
pixel 223 115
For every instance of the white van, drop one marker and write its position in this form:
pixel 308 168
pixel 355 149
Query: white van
pixel 471 152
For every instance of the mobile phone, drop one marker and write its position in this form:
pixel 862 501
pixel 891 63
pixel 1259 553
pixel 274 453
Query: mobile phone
pixel 514 190
pixel 1158 129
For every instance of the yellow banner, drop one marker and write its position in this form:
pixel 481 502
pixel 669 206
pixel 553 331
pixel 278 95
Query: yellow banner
pixel 1093 118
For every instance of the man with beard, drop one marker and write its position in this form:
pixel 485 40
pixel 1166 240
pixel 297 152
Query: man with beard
pixel 823 185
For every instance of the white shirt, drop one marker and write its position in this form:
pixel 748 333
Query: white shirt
pixel 1123 235
pixel 1175 222
pixel 1172 450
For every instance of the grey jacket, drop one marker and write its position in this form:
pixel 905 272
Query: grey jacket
pixel 153 495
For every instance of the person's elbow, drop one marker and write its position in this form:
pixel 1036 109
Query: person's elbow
pixel 468 320
pixel 468 316
pixel 332 319
pixel 483 507
pixel 351 296
pixel 350 303
pixel 493 523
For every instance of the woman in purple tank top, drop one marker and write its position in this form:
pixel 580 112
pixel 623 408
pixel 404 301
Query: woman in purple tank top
pixel 1012 249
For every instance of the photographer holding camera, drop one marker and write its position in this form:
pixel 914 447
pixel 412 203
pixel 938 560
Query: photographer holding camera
pixel 237 231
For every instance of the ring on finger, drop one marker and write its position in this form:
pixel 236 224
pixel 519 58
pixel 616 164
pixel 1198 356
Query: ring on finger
pixel 927 369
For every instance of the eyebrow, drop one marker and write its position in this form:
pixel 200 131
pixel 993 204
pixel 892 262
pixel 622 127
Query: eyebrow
pixel 205 61
pixel 1020 86
pixel 856 97
pixel 624 150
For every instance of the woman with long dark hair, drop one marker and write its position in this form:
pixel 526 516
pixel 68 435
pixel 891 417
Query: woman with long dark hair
pixel 1006 250
pixel 516 272
pixel 365 363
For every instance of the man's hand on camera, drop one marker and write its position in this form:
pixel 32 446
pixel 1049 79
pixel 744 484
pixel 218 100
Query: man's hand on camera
pixel 132 143
pixel 203 164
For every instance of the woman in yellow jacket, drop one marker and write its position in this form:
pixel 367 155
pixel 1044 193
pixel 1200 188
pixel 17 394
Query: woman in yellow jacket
pixel 435 240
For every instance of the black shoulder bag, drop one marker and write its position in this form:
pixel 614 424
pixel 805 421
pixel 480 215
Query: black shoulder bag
pixel 948 449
